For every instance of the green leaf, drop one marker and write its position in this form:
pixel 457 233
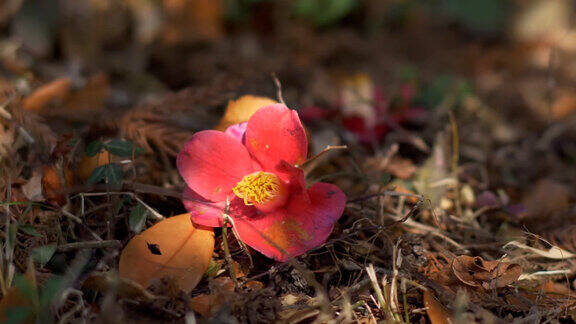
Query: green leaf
pixel 114 174
pixel 137 218
pixel 213 268
pixel 93 148
pixel 324 12
pixel 25 287
pixel 29 229
pixel 43 254
pixel 386 177
pixel 18 314
pixel 12 235
pixel 122 148
pixel 480 16
pixel 118 204
pixel 97 175
pixel 51 289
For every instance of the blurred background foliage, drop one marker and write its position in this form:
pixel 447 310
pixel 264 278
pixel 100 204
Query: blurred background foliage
pixel 157 45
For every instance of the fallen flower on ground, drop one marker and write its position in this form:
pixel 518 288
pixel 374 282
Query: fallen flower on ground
pixel 254 168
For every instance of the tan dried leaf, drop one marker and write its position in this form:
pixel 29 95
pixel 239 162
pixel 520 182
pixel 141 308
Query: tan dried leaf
pixel 437 313
pixel 476 272
pixel 174 247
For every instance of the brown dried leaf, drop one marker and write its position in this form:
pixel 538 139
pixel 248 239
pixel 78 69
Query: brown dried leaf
pixel 190 20
pixel 476 272
pixel 91 97
pixel 167 124
pixel 174 247
pixel 36 127
pixel 52 185
pixel 401 168
pixel 221 293
pixel 437 313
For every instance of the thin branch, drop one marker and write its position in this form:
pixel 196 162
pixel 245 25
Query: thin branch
pixel 89 245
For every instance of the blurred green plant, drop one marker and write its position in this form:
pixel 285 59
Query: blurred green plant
pixel 112 172
pixel 237 10
pixel 478 16
pixel 435 92
pixel 324 12
pixel 36 307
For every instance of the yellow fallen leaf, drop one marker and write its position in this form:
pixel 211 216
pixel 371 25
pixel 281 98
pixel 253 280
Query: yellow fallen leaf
pixel 240 110
pixel 437 313
pixel 49 93
pixel 173 247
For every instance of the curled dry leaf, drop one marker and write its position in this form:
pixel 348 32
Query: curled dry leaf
pixel 52 186
pixel 437 313
pixel 182 251
pixel 49 93
pixel 476 272
pixel 240 110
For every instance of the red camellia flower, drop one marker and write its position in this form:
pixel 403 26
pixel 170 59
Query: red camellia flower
pixel 254 167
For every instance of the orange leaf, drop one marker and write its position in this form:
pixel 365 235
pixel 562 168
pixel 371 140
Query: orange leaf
pixel 192 20
pixel 88 164
pixel 49 93
pixel 173 247
pixel 241 110
pixel 437 313
pixel 92 96
pixel 52 183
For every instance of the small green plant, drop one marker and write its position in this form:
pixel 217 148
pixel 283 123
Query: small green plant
pixel 324 12
pixel 112 172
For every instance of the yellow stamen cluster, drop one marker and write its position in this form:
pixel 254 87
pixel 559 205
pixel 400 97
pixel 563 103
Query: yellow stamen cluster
pixel 258 188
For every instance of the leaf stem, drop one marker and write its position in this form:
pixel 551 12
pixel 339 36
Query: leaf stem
pixel 227 256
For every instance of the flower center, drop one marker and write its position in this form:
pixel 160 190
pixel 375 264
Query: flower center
pixel 262 189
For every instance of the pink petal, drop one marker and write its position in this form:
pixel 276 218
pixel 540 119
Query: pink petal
pixel 237 131
pixel 212 163
pixel 207 213
pixel 299 227
pixel 275 134
pixel 295 178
